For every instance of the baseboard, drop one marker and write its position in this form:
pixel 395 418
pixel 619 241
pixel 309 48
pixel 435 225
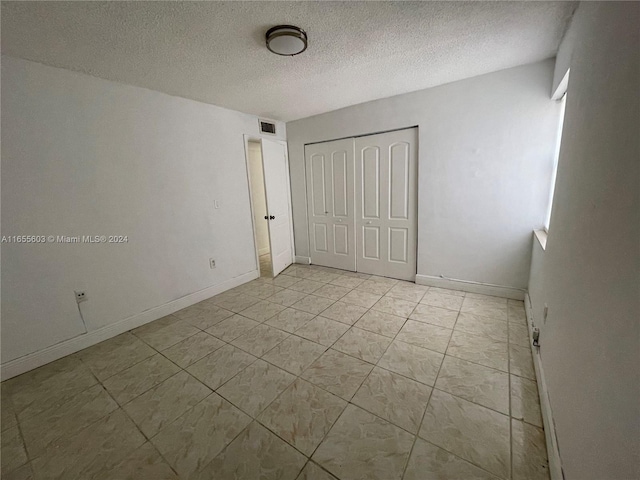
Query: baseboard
pixel 73 345
pixel 555 465
pixel 471 287
pixel 263 251
pixel 303 260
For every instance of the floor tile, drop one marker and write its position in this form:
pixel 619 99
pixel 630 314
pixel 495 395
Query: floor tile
pixel 134 381
pixel 334 292
pixel 407 291
pixel 442 300
pixel 476 383
pixel 411 361
pixel 313 304
pixel 220 366
pixel 295 354
pixel 430 462
pixel 8 419
pixel 13 451
pixel 425 335
pixel 303 415
pixel 361 445
pixel 159 406
pixel 381 323
pixel 285 281
pixel 434 315
pixel 478 349
pixel 65 420
pixel 361 298
pixel 519 335
pixel 362 344
pixel 238 303
pixel 114 355
pixel 262 311
pixel 324 277
pixel 232 328
pixel 395 306
pixel 447 291
pixel 192 349
pixel 203 317
pixel 495 329
pixel 520 362
pixel 287 297
pixel 306 286
pixel 260 340
pixel 256 387
pixel 529 452
pixel 311 471
pixel 344 312
pixel 144 463
pixel 475 433
pixel 55 383
pixel 384 280
pixel 525 401
pixel 516 311
pixel 96 449
pixel 338 373
pixel 347 282
pixel 371 286
pixel 393 397
pixel 161 336
pixel 485 307
pixel 264 290
pixel 290 320
pixel 255 454
pixel 323 330
pixel 25 472
pixel 197 437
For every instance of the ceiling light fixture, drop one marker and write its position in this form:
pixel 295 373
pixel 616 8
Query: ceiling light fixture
pixel 286 40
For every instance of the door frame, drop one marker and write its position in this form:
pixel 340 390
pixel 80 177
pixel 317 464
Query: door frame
pixel 256 138
pixel 304 165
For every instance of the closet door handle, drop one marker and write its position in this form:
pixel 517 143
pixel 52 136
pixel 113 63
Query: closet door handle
pixel 266 218
pixel 369 222
pixel 272 217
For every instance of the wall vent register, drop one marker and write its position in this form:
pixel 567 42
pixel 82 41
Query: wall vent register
pixel 267 127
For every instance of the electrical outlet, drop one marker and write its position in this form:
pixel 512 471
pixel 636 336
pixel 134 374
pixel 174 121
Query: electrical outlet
pixel 81 295
pixel 212 263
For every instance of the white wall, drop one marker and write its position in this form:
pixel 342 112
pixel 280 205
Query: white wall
pixel 485 148
pixel 589 273
pixel 85 156
pixel 258 196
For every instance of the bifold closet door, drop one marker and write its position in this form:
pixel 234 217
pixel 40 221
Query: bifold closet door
pixel 386 203
pixel 330 200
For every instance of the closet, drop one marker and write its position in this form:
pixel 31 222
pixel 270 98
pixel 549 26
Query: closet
pixel 362 203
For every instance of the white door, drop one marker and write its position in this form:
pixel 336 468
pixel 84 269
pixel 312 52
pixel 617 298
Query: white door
pixel 330 201
pixel 276 185
pixel 386 203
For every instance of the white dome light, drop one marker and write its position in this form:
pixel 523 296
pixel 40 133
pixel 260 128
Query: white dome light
pixel 286 40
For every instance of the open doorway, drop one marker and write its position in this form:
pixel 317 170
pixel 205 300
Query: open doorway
pixel 259 203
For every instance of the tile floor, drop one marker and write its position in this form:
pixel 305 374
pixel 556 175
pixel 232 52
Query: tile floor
pixel 317 374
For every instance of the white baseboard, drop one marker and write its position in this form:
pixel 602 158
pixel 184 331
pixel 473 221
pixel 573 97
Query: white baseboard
pixel 303 260
pixel 555 465
pixel 73 345
pixel 471 287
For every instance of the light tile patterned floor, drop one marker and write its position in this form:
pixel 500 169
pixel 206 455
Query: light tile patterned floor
pixel 317 374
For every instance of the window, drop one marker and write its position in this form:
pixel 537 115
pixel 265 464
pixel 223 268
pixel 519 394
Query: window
pixel 556 155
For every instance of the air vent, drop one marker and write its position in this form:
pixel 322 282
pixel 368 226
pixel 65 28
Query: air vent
pixel 267 127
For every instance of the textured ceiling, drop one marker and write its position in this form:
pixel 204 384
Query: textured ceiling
pixel 214 51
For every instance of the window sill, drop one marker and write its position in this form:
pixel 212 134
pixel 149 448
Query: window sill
pixel 541 235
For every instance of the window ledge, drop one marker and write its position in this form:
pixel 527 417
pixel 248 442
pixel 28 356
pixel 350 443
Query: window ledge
pixel 541 235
